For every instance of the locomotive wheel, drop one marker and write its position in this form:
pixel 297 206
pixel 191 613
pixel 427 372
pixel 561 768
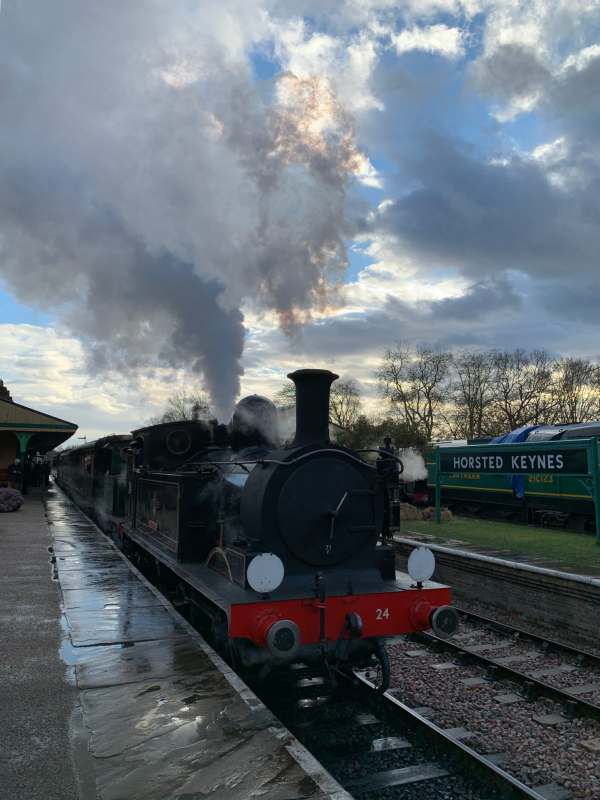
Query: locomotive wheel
pixel 377 670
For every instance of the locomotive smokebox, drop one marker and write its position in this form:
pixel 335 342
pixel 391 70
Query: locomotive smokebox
pixel 312 405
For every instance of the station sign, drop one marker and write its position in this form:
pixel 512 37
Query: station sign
pixel 521 461
pixel 575 457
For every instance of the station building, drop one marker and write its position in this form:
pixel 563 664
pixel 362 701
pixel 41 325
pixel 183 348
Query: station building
pixel 24 430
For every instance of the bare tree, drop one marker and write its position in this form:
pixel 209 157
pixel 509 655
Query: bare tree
pixel 575 390
pixel 475 394
pixel 522 394
pixel 285 398
pixel 416 382
pixel 471 395
pixel 344 403
pixel 184 405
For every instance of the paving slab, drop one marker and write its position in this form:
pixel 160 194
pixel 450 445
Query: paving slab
pixel 91 560
pixel 445 666
pixel 121 624
pixel 119 664
pixel 100 580
pixel 132 595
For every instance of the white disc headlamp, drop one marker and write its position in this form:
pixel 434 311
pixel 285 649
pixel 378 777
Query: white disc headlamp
pixel 421 564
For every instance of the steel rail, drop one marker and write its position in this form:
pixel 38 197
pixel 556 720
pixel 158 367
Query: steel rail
pixel 547 643
pixel 470 762
pixel 534 687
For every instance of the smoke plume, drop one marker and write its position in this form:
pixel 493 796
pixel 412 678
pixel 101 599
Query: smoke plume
pixel 414 465
pixel 148 191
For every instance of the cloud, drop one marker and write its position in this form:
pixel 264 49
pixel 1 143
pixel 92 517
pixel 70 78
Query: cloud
pixel 439 39
pixel 352 334
pixel 149 189
pixel 484 218
pixel 572 100
pixel 572 300
pixel 45 369
pixel 513 74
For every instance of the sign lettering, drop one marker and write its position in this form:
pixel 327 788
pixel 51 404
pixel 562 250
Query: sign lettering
pixel 569 462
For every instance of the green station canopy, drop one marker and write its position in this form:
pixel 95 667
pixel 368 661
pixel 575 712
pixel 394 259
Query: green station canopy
pixel 34 430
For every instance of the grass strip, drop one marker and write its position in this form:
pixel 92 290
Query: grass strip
pixel 574 552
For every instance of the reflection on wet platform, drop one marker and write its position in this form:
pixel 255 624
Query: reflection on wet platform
pixel 119 664
pixel 132 594
pixel 165 716
pixel 105 561
pixel 102 579
pixel 123 624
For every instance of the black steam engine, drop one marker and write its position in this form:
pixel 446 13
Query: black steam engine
pixel 276 553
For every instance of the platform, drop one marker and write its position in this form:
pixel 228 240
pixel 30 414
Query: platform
pixel 108 693
pixel 565 604
pixel 555 549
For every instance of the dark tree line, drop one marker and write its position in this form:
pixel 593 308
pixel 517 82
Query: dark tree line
pixel 434 394
pixel 472 394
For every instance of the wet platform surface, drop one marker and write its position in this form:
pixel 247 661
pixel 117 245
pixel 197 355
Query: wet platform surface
pixel 37 701
pixel 160 714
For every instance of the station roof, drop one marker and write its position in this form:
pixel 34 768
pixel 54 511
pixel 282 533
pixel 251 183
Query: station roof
pixel 46 431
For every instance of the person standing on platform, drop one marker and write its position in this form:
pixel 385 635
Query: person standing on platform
pixel 26 476
pixel 15 474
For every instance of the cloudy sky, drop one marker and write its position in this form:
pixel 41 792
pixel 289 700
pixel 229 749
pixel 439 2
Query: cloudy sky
pixel 213 193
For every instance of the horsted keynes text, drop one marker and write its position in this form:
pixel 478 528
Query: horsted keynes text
pixel 567 462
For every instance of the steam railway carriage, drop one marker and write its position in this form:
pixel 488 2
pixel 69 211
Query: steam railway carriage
pixel 275 553
pixel 538 499
pixel 95 475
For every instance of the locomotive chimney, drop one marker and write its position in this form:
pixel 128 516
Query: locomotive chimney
pixel 312 405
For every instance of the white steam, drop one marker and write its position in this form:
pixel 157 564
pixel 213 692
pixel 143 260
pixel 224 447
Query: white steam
pixel 287 423
pixel 414 465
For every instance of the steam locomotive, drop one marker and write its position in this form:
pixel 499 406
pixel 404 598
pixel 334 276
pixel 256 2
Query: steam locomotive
pixel 277 554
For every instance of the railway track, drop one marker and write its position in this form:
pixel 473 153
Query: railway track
pixel 533 677
pixel 378 747
pixel 510 690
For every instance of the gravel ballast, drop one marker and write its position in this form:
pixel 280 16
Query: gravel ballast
pixel 535 753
